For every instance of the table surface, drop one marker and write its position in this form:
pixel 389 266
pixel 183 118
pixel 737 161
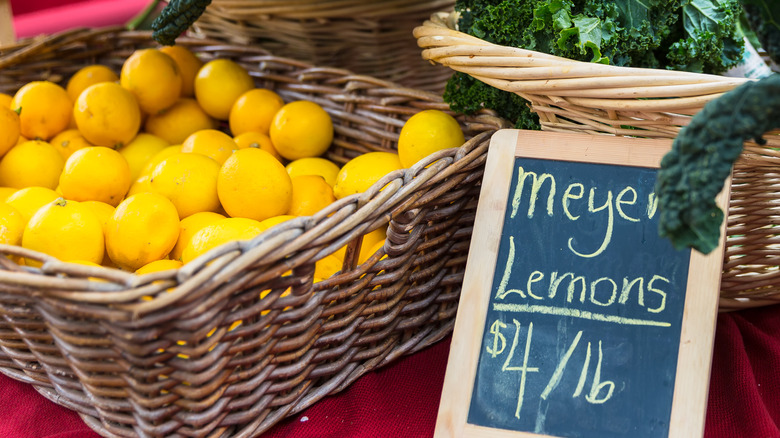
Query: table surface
pixel 401 399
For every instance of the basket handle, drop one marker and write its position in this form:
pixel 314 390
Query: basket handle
pixel 7 35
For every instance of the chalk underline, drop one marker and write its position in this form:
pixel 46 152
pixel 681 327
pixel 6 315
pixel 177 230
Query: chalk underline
pixel 575 313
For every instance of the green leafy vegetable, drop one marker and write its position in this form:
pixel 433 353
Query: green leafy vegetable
pixel 704 151
pixel 175 18
pixel 692 35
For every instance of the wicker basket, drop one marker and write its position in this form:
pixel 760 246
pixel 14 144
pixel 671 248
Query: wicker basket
pixel 160 354
pixel 573 96
pixel 367 37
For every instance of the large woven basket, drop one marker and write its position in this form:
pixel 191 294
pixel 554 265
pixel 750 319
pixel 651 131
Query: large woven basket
pixel 573 96
pixel 366 37
pixel 161 355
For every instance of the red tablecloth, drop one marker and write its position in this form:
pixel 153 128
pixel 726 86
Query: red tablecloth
pixel 401 400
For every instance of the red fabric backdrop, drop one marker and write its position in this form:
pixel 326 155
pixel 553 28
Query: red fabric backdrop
pixel 401 400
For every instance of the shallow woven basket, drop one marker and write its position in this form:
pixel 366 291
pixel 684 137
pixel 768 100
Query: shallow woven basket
pixel 160 355
pixel 573 96
pixel 366 37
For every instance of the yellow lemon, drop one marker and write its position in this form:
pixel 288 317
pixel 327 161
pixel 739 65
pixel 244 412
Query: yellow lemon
pixel 314 166
pixel 253 184
pixel 12 225
pixel 218 84
pixel 158 157
pixel 211 143
pixel 66 230
pixel 266 224
pixel 366 251
pixel 10 129
pixel 427 132
pixel 46 109
pixel 143 228
pixel 310 194
pixel 69 141
pixel 107 114
pixel 361 172
pixel 258 140
pixel 96 174
pixel 32 163
pixel 189 181
pixel 176 123
pixel 325 267
pixel 29 200
pixel 141 185
pixel 189 65
pixel 5 100
pixel 189 226
pixel 154 79
pixel 5 192
pixel 86 76
pixel 102 210
pixel 253 111
pixel 159 265
pixel 220 232
pixel 301 129
pixel 139 151
pixel 369 242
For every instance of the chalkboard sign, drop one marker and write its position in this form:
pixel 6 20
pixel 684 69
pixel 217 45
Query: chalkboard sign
pixel 576 319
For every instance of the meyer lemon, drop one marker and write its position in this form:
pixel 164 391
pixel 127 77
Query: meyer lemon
pixel 189 65
pixel 97 173
pixel 212 143
pixel 86 76
pixel 102 210
pixel 361 172
pixel 218 84
pixel 5 100
pixel 159 265
pixel 12 225
pixel 46 109
pixel 139 151
pixel 143 228
pixel 158 157
pixel 301 129
pixel 218 233
pixel 427 132
pixel 69 141
pixel 325 267
pixel 154 79
pixel 189 181
pixel 66 230
pixel 176 123
pixel 5 192
pixel 253 184
pixel 314 166
pixel 10 129
pixel 32 163
pixel 189 226
pixel 253 139
pixel 107 114
pixel 310 194
pixel 29 200
pixel 141 185
pixel 253 111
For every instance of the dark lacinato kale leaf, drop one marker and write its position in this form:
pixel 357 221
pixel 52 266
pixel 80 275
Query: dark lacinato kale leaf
pixel 175 18
pixel 702 155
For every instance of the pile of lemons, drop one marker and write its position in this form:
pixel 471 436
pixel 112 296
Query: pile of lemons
pixel 152 167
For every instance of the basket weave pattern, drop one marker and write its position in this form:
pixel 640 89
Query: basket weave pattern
pixel 242 337
pixel 574 96
pixel 367 37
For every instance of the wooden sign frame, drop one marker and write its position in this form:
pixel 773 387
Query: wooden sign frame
pixel 698 327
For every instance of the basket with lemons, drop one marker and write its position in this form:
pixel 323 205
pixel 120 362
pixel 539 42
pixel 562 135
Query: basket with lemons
pixel 151 167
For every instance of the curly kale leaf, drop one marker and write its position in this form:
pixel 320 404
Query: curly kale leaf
pixel 694 171
pixel 175 18
pixel 637 33
pixel 468 95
